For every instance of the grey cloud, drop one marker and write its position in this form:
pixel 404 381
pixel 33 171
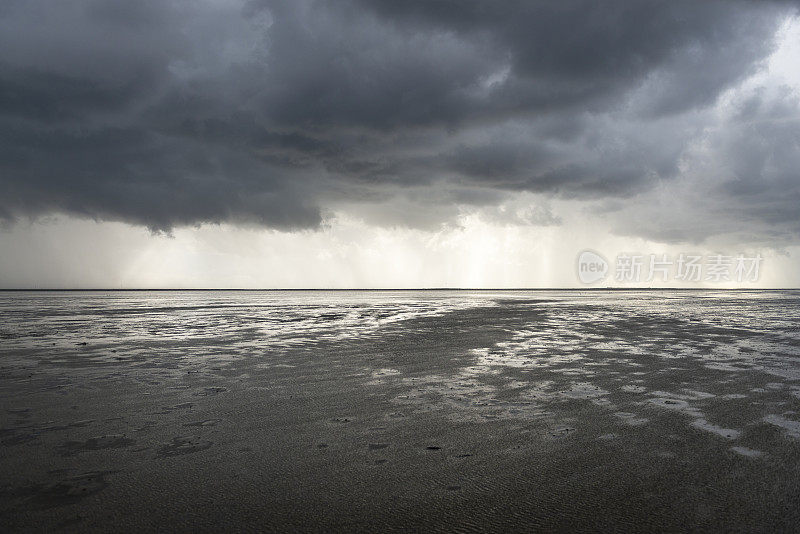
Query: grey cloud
pixel 740 183
pixel 167 113
pixel 584 53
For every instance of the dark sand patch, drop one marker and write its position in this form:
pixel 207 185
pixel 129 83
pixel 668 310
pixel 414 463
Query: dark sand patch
pixel 65 492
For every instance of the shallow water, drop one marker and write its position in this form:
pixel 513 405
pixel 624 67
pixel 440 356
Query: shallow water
pixel 402 409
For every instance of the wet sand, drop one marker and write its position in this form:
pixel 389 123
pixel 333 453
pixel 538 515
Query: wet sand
pixel 401 411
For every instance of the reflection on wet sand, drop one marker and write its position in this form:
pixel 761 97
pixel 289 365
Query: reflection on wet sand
pixel 435 410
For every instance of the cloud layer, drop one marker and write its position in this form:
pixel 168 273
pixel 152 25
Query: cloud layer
pixel 166 113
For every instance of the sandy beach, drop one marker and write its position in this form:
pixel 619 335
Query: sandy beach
pixel 378 411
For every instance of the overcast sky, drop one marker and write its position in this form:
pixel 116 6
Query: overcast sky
pixel 385 143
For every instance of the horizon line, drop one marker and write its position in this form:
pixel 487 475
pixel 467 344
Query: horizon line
pixel 287 289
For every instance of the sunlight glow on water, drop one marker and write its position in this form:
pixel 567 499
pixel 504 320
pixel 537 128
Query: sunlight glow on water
pixel 41 319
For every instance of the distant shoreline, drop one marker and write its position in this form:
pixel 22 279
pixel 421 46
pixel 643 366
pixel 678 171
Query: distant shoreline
pixel 571 289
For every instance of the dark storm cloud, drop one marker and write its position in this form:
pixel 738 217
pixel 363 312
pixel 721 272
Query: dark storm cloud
pixel 165 113
pixel 739 182
pixel 579 52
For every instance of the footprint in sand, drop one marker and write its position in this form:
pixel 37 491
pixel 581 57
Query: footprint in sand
pixel 69 448
pixel 727 433
pixel 210 392
pixel 207 422
pixel 562 431
pixel 180 446
pixel 631 418
pixel 169 409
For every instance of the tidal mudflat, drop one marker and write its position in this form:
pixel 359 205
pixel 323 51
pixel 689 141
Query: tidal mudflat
pixel 434 410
